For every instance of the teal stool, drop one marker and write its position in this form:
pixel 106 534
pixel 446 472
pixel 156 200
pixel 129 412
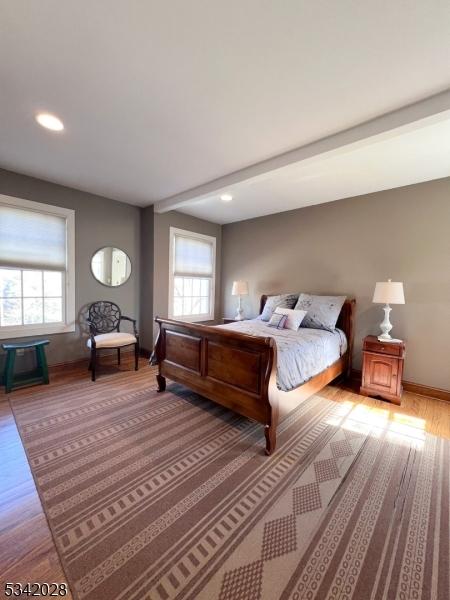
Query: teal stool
pixel 39 375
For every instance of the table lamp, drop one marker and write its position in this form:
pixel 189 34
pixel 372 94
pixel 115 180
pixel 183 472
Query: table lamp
pixel 240 288
pixel 388 292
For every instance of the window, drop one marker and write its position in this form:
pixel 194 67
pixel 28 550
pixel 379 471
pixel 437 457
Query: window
pixel 36 268
pixel 192 275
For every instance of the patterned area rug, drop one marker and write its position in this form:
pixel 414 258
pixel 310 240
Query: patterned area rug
pixel 162 496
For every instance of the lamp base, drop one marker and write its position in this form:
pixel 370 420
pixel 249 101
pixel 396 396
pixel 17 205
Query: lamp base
pixel 239 315
pixel 385 326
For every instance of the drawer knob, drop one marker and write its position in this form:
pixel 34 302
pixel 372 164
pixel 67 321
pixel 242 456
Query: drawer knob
pixel 382 347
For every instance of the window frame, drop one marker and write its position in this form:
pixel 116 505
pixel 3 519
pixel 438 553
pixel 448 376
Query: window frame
pixel 68 324
pixel 196 236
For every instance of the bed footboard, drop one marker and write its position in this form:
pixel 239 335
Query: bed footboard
pixel 233 369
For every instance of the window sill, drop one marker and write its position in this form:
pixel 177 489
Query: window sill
pixel 195 319
pixel 33 330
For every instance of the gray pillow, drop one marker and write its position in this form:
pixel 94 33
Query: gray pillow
pixel 272 302
pixel 322 311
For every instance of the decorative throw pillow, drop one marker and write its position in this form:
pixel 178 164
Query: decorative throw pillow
pixel 277 320
pixel 283 300
pixel 322 311
pixel 293 317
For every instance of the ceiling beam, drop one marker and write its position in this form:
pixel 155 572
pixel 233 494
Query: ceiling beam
pixel 411 117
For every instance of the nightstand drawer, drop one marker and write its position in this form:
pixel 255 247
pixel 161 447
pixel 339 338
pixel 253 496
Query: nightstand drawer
pixel 383 348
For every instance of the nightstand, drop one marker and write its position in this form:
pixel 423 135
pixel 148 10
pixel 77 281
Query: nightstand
pixel 382 369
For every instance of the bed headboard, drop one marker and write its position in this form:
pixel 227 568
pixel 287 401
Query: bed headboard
pixel 345 320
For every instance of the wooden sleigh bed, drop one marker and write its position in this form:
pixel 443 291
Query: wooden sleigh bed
pixel 239 371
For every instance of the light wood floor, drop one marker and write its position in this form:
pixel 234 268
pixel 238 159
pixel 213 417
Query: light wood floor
pixel 27 552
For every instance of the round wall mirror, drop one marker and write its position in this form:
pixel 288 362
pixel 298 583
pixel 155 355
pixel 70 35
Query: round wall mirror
pixel 111 266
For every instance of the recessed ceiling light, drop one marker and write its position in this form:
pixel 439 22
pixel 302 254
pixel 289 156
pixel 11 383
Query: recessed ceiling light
pixel 49 121
pixel 226 197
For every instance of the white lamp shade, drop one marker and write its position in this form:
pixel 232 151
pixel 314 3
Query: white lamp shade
pixel 389 292
pixel 240 288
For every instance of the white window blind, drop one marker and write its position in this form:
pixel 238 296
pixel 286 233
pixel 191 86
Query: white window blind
pixel 192 275
pixel 192 256
pixel 37 268
pixel 31 239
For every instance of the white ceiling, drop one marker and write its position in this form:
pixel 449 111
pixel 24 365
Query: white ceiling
pixel 380 163
pixel 160 97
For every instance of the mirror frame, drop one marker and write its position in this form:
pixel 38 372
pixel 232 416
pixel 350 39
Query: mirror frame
pixel 101 282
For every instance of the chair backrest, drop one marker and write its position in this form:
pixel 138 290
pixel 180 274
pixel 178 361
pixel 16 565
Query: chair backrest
pixel 105 316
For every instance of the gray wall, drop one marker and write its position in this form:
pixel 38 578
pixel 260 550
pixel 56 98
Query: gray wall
pixel 342 247
pixel 147 234
pixel 345 247
pixel 98 222
pixel 162 224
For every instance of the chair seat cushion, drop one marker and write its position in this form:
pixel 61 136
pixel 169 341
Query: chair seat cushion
pixel 112 340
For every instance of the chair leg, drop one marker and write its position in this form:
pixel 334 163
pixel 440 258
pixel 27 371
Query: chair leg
pixel 136 356
pixel 161 383
pixel 9 370
pixel 93 361
pixel 118 356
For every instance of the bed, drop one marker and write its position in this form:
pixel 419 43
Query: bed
pixel 236 365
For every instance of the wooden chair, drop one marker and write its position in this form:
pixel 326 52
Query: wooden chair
pixel 104 326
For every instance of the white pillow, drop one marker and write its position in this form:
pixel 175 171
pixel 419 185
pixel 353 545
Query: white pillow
pixel 294 317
